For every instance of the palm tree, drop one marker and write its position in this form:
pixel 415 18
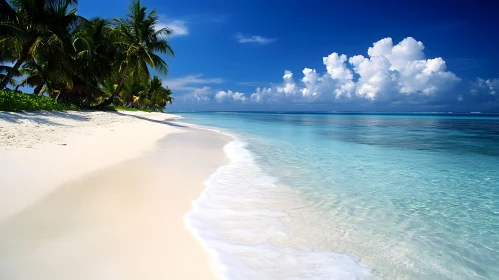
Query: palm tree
pixel 89 62
pixel 5 69
pixel 36 76
pixel 131 92
pixel 158 94
pixel 138 41
pixel 38 72
pixel 95 50
pixel 161 98
pixel 151 95
pixel 29 26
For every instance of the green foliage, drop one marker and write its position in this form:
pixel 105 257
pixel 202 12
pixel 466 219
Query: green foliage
pixel 31 27
pixel 89 63
pixel 16 102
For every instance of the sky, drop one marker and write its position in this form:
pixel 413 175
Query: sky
pixel 266 55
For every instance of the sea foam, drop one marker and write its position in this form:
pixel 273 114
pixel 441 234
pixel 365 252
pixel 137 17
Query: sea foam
pixel 240 219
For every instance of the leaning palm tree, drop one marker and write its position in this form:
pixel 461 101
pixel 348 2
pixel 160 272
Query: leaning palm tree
pixel 29 26
pixel 139 41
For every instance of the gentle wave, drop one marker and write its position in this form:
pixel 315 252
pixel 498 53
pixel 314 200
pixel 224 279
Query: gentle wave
pixel 239 218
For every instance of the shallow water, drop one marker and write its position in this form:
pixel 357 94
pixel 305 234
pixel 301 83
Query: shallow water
pixel 353 197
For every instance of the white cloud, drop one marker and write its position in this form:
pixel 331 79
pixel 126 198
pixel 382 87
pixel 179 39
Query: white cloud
pixel 201 94
pixel 339 73
pixel 491 86
pixel 425 76
pixel 310 80
pixel 336 67
pixel 399 55
pixel 400 69
pixel 196 95
pixel 229 96
pixel 254 39
pixel 375 75
pixel 262 95
pixel 289 86
pixel 389 73
pixel 179 27
pixel 190 82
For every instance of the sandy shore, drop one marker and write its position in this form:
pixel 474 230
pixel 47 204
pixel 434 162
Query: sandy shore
pixel 93 195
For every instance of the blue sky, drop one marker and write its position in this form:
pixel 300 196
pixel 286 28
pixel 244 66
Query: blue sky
pixel 328 55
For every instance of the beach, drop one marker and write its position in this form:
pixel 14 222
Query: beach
pixel 122 195
pixel 102 195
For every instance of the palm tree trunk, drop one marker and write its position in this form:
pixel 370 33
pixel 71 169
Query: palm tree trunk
pixel 108 101
pixel 38 88
pixel 13 70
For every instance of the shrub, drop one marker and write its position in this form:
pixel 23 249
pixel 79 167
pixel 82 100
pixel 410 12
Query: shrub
pixel 15 102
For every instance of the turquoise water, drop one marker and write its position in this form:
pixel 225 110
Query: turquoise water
pixel 353 197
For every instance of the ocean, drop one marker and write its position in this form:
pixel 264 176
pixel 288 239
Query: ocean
pixel 353 196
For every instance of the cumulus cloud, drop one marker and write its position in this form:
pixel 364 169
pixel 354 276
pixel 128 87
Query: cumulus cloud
pixel 336 67
pixel 483 94
pixel 399 55
pixel 310 79
pixel 179 27
pixel 374 75
pixel 390 73
pixel 400 69
pixel 490 86
pixel 201 94
pixel 289 86
pixel 243 39
pixel 229 96
pixel 339 74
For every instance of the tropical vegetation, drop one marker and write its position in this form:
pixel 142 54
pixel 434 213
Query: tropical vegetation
pixel 90 63
pixel 16 102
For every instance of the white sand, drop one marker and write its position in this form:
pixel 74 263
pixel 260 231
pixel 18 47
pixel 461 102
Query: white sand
pixel 93 195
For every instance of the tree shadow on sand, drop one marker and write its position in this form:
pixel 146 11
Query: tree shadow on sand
pixel 168 121
pixel 40 117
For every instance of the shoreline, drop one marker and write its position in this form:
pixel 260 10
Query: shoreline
pixel 88 226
